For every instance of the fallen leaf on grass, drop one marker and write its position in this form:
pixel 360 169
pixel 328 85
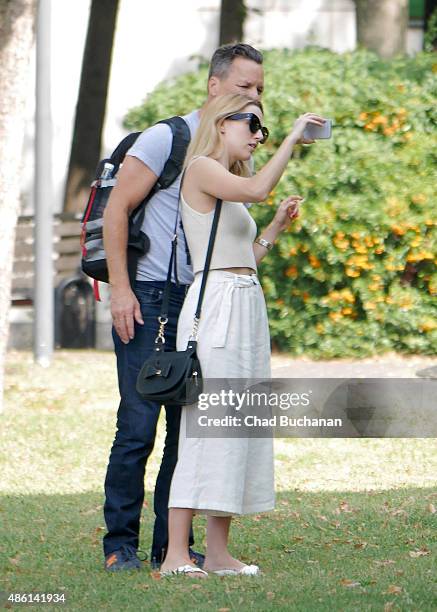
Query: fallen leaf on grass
pixel 398 512
pixel 14 560
pixel 155 575
pixel 419 553
pixel 91 511
pixel 360 545
pixel 385 562
pixel 344 507
pixel 394 590
pixel 349 583
pixel 224 610
pixel 432 509
pixel 270 595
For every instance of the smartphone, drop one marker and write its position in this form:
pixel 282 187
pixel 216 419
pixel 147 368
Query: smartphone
pixel 316 132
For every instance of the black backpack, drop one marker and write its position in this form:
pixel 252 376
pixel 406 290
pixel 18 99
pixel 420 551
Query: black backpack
pixel 93 253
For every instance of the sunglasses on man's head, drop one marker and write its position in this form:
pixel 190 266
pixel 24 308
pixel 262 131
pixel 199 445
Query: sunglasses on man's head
pixel 254 124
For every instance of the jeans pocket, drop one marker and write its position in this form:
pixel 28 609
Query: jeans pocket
pixel 148 295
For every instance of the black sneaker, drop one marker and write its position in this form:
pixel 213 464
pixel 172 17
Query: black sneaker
pixel 197 558
pixel 124 558
pixel 155 563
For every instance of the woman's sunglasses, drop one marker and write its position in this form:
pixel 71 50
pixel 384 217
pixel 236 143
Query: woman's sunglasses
pixel 254 124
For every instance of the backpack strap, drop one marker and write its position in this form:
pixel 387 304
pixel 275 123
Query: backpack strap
pixel 181 137
pixel 118 155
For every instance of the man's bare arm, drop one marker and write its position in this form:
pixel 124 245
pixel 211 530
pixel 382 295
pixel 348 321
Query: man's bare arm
pixel 134 182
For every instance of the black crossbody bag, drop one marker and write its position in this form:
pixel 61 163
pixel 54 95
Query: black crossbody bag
pixel 174 378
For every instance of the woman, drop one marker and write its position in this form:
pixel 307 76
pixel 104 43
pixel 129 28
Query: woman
pixel 225 476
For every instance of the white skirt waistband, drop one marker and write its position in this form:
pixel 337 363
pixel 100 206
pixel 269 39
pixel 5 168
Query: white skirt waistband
pixel 223 276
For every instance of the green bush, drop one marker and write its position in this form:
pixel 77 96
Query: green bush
pixel 356 274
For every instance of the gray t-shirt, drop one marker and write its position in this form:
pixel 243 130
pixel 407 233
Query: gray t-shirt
pixel 153 148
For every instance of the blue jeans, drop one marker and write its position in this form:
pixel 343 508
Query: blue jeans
pixel 136 430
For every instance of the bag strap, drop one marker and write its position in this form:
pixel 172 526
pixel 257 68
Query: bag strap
pixel 218 208
pixel 163 317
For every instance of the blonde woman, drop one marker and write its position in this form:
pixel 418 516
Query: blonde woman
pixel 222 477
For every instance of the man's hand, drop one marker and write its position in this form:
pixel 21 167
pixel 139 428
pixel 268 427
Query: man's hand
pixel 125 310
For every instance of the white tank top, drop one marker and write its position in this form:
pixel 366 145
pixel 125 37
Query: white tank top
pixel 236 232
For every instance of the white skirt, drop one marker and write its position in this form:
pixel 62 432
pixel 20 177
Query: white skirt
pixel 225 476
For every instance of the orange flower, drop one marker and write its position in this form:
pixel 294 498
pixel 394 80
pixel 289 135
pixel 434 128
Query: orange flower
pixel 399 229
pixel 352 273
pixel 291 272
pixel 428 325
pixel 314 262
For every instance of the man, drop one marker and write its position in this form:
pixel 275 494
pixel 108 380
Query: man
pixel 233 69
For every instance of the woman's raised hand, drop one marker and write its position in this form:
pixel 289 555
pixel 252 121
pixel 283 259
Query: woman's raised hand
pixel 287 211
pixel 300 125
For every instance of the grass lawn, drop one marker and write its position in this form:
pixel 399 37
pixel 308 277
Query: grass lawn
pixel 354 526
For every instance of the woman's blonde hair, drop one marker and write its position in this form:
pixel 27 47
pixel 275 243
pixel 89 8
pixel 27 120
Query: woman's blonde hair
pixel 207 139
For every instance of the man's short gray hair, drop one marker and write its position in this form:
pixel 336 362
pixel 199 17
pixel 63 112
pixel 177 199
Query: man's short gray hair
pixel 223 57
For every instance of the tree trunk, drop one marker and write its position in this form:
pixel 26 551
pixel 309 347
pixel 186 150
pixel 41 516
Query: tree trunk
pixel 382 26
pixel 430 7
pixel 232 16
pixel 17 29
pixel 430 19
pixel 91 104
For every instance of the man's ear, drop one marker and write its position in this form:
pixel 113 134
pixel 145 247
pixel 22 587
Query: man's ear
pixel 213 86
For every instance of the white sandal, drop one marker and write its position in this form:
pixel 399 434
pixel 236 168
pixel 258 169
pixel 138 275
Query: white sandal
pixel 183 569
pixel 246 570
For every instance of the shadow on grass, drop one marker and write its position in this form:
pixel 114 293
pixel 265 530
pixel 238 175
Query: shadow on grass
pixel 318 551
